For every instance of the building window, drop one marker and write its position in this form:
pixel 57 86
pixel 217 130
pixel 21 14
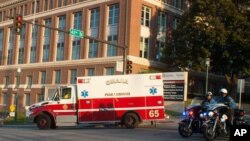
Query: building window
pixel 29 80
pixel 73 75
pixel 4 15
pixel 110 71
pixel 21 10
pixel 90 72
pixel 144 46
pixel 1 17
pixel 76 49
pixel 17 80
pixel 43 77
pixel 57 77
pixel 177 3
pixel 25 9
pixel 175 23
pixel 59 3
pixel 21 47
pixel 14 11
pixel 11 12
pixel 4 99
pixel 78 20
pixel 1 44
pixel 46 42
pixel 60 44
pixel 46 53
pixel 33 44
pixel 145 16
pixel 75 1
pixel 112 51
pixel 27 99
pixel 65 2
pixel 94 18
pixel 45 5
pixel 113 14
pixel 35 6
pixel 40 97
pixel 51 4
pixel 10 49
pixel 6 82
pixel 160 51
pixel 76 44
pixel 162 22
pixel 93 49
pixel 60 51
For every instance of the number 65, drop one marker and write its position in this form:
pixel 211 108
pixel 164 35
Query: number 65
pixel 154 113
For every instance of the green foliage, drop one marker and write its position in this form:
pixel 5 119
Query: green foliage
pixel 214 29
pixel 21 119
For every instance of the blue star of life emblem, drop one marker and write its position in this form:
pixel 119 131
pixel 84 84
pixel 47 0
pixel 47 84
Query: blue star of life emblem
pixel 84 93
pixel 153 90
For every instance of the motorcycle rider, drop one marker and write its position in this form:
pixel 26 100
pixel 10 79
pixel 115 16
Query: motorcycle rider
pixel 228 100
pixel 208 99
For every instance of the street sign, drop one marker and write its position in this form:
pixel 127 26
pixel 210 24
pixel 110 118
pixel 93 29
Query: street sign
pixel 76 33
pixel 12 108
pixel 119 66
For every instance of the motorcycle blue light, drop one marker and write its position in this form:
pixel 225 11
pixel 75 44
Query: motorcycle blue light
pixel 184 113
pixel 205 114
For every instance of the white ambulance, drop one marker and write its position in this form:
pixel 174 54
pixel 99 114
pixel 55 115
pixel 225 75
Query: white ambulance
pixel 120 99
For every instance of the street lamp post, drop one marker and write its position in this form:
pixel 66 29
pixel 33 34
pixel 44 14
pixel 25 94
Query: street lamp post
pixel 16 97
pixel 207 65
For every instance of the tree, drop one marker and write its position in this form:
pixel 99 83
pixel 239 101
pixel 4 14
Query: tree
pixel 214 29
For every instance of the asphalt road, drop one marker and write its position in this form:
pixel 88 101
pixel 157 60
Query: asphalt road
pixel 146 133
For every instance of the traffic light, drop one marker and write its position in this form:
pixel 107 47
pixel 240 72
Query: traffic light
pixel 129 67
pixel 18 21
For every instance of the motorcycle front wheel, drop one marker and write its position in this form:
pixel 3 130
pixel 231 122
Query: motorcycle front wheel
pixel 208 132
pixel 184 131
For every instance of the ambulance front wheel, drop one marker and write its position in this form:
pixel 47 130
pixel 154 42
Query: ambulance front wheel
pixel 43 121
pixel 130 120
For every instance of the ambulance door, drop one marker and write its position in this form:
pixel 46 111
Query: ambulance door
pixel 103 110
pixel 66 110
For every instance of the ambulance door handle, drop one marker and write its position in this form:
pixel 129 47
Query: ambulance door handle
pixel 101 109
pixel 87 102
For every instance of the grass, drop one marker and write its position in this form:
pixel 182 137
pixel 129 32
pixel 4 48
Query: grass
pixel 21 119
pixel 172 113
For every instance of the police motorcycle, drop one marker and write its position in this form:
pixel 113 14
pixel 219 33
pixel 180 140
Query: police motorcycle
pixel 218 123
pixel 194 116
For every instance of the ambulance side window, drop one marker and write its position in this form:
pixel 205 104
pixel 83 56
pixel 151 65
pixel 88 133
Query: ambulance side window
pixel 66 93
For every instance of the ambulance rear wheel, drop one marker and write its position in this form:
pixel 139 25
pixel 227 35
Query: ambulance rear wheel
pixel 130 120
pixel 43 121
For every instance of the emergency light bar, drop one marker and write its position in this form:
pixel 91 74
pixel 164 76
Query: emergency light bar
pixel 80 81
pixel 155 77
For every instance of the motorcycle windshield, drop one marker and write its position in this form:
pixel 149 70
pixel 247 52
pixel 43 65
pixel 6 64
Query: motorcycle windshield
pixel 211 107
pixel 196 102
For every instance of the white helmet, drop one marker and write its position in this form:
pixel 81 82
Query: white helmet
pixel 209 93
pixel 223 90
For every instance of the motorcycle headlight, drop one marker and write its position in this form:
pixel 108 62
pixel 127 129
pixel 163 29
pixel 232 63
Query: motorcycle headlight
pixel 210 114
pixel 201 115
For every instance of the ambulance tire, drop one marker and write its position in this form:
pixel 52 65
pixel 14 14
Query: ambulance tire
pixel 130 120
pixel 43 121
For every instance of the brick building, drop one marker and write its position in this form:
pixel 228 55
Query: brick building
pixel 46 57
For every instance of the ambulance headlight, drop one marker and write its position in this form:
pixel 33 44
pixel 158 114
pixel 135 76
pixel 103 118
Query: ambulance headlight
pixel 210 114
